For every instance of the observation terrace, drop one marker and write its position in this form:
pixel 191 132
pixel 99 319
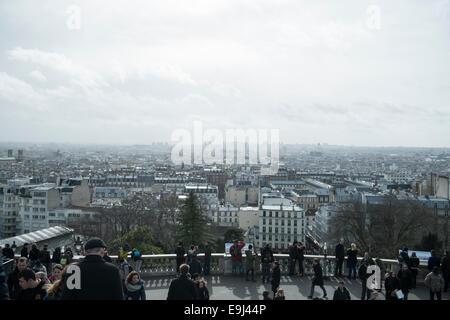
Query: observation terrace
pixel 158 271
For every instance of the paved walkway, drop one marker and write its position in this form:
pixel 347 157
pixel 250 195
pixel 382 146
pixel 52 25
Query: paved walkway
pixel 295 288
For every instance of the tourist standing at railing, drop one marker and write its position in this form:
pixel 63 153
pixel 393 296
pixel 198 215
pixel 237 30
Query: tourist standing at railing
pixel 182 288
pixel 445 268
pixel 414 265
pixel 317 279
pixel 192 252
pixel 100 280
pixel 301 251
pixel 13 278
pixel 404 257
pixel 3 286
pixel 392 285
pixel 207 261
pixel 195 266
pixel 433 261
pixel 236 257
pixel 24 251
pixel 276 277
pixel 339 253
pixel 33 255
pixel 434 282
pixel 266 260
pixel 405 277
pixel 341 292
pixel 134 287
pixel 137 259
pixel 250 258
pixel 179 251
pixel 8 253
pixel 293 256
pixel 352 260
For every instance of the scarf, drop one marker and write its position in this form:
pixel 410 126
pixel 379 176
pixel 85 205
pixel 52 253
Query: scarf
pixel 134 287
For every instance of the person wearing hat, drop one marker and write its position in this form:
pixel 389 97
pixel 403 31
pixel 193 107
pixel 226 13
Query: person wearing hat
pixel 434 282
pixel 99 280
pixel 341 292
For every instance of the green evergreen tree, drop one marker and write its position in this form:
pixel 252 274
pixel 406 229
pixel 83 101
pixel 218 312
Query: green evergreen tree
pixel 192 224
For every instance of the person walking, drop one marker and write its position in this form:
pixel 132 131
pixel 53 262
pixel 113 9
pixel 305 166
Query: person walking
pixel 391 285
pixel 434 282
pixel 445 268
pixel 236 257
pixel 32 288
pixel 414 263
pixel 317 279
pixel 180 252
pixel 276 277
pixel 137 259
pixel 293 255
pixel 99 280
pixel 341 293
pixel 433 261
pixel 266 260
pixel 207 261
pixel 13 278
pixel 250 258
pixel 352 260
pixel 363 276
pixel 183 288
pixel 340 256
pixel 24 251
pixel 405 278
pixel 134 287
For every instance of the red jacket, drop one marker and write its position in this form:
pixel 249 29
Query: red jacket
pixel 239 256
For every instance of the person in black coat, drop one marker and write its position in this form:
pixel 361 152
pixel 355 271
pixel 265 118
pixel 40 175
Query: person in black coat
pixel 341 292
pixel 183 288
pixel 405 277
pixel 180 252
pixel 32 288
pixel 8 253
pixel 300 257
pixel 317 279
pixel 340 256
pixel 13 278
pixel 100 280
pixel 293 255
pixel 24 251
pixel 276 277
pixel 433 261
pixel 45 259
pixel 391 284
pixel 363 276
pixel 56 258
pixel 34 255
pixel 414 265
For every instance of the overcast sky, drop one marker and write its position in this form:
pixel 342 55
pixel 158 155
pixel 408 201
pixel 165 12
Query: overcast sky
pixel 134 71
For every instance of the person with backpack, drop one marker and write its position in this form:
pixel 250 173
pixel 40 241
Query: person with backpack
pixel 236 256
pixel 137 259
pixel 434 282
pixel 414 265
pixel 250 258
pixel 266 260
pixel 293 255
pixel 317 279
pixel 134 287
pixel 179 251
pixel 352 260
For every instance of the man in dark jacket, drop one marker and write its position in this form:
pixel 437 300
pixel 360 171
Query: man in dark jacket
pixel 8 253
pixel 404 257
pixel 33 255
pixel 13 278
pixel 207 263
pixel 301 250
pixel 391 284
pixel 363 276
pixel 45 259
pixel 405 277
pixel 266 260
pixel 341 292
pixel 180 252
pixel 293 255
pixel 195 266
pixel 24 251
pixel 98 279
pixel 445 268
pixel 32 288
pixel 317 279
pixel 182 288
pixel 433 261
pixel 236 257
pixel 3 287
pixel 276 277
pixel 340 256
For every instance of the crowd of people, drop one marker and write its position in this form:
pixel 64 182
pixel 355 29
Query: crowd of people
pixel 42 275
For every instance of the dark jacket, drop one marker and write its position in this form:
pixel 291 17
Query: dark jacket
pixel 391 284
pixel 180 252
pixel 318 278
pixel 44 256
pixel 203 293
pixel 135 294
pixel 433 261
pixel 56 256
pixel 414 262
pixel 404 258
pixel 293 253
pixel 107 258
pixel 100 280
pixel 266 255
pixel 38 293
pixel 24 252
pixel 13 284
pixel 276 276
pixel 341 295
pixel 182 288
pixel 352 256
pixel 300 253
pixel 340 251
pixel 3 287
pixel 445 264
pixel 208 252
pixel 34 254
pixel 195 267
pixel 8 253
pixel 405 277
